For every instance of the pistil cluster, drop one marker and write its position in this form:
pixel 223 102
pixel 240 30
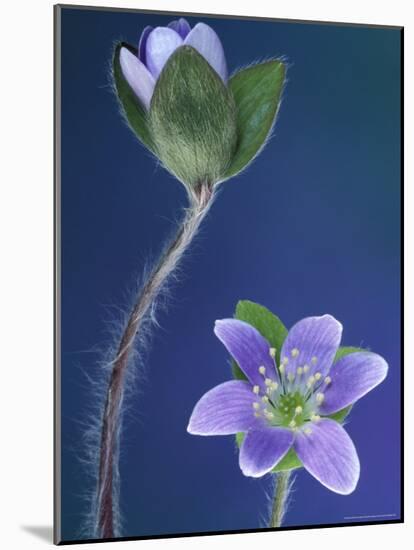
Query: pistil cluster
pixel 294 400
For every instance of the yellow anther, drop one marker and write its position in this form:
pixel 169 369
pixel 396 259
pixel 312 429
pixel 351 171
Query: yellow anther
pixel 282 368
pixel 305 368
pixel 292 424
pixel 318 375
pixel 294 352
pixel 269 414
pixel 256 406
pixel 265 399
pixel 256 389
pixel 315 418
pixel 272 352
pixel 314 360
pixel 274 386
pixel 299 371
pixel 268 382
pixel 262 370
pixel 307 431
pixel 328 380
pixel 298 409
pixel 319 398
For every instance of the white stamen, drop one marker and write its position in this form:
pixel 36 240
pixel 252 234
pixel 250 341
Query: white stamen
pixel 310 381
pixel 272 352
pixel 274 386
pixel 285 360
pixel 265 399
pixel 328 380
pixel 291 377
pixel 315 418
pixel 292 424
pixel 294 352
pixel 299 371
pixel 282 368
pixel 256 406
pixel 268 382
pixel 318 375
pixel 256 390
pixel 307 431
pixel 305 368
pixel 298 409
pixel 262 370
pixel 319 398
pixel 314 360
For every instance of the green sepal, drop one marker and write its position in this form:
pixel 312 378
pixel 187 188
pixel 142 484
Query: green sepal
pixel 266 322
pixel 238 374
pixel 340 416
pixel 257 92
pixel 346 350
pixel 289 462
pixel 134 113
pixel 193 119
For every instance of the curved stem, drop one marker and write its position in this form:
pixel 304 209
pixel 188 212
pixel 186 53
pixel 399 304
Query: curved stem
pixel 106 494
pixel 279 506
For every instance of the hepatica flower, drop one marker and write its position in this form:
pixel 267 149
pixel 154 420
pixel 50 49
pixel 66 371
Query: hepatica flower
pixel 156 46
pixel 287 405
pixel 176 96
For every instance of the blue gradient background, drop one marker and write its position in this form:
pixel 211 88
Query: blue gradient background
pixel 312 227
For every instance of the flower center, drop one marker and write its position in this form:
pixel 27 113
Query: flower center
pixel 295 400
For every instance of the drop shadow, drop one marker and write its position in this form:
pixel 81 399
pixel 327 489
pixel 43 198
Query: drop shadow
pixel 43 532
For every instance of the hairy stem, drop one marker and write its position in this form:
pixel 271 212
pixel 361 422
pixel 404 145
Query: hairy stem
pixel 106 493
pixel 279 506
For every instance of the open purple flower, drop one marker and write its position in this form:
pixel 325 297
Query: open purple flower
pixel 157 45
pixel 286 406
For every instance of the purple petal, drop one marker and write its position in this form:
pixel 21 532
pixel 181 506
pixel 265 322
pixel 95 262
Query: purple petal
pixel 351 378
pixel 248 347
pixel 203 39
pixel 181 26
pixel 224 410
pixel 314 342
pixel 262 449
pixel 161 43
pixel 137 76
pixel 329 455
pixel 142 46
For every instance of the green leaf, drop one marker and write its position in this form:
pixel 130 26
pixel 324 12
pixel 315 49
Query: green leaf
pixel 269 326
pixel 257 92
pixel 345 350
pixel 340 416
pixel 289 462
pixel 193 119
pixel 238 374
pixel 132 110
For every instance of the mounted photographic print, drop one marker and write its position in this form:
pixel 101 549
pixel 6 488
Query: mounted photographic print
pixel 228 274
